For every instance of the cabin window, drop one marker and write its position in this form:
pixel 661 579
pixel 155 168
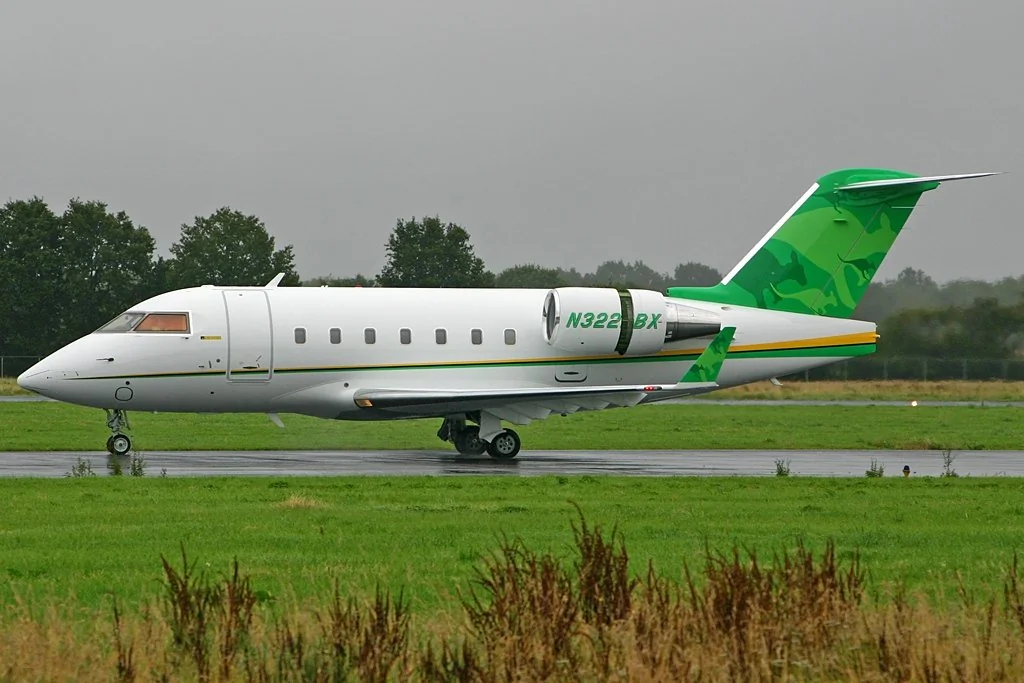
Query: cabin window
pixel 370 335
pixel 476 336
pixel 164 322
pixel 405 335
pixel 300 335
pixel 441 335
pixel 510 336
pixel 335 335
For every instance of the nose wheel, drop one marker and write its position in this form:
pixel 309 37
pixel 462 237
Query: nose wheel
pixel 118 443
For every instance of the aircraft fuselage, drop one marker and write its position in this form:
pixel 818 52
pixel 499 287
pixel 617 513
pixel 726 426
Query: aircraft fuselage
pixel 308 350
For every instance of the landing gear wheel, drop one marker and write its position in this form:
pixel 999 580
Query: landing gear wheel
pixel 505 445
pixel 468 441
pixel 119 444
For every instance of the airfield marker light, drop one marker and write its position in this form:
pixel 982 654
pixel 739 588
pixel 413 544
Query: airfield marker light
pixel 913 404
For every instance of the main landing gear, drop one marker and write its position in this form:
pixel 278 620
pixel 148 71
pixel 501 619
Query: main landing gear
pixel 503 444
pixel 118 443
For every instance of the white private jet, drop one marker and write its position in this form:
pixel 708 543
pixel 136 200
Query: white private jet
pixel 479 357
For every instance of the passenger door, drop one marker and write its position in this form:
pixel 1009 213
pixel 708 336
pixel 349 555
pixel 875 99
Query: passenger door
pixel 250 340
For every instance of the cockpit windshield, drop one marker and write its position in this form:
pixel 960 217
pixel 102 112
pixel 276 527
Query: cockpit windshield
pixel 137 321
pixel 123 323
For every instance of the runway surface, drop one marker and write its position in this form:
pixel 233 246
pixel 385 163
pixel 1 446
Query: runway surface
pixel 829 463
pixel 734 402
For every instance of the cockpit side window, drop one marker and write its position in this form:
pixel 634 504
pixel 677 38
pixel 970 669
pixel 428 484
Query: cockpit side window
pixel 123 323
pixel 164 322
pixel 140 321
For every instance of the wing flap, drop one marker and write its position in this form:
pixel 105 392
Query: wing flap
pixel 521 405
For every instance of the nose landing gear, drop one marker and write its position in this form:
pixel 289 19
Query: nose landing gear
pixel 118 443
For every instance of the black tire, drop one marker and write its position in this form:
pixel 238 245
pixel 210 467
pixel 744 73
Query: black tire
pixel 505 445
pixel 120 444
pixel 110 444
pixel 468 441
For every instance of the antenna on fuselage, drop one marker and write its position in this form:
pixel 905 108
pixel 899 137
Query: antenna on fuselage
pixel 276 281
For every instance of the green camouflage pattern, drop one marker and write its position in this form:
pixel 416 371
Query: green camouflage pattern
pixel 709 362
pixel 822 259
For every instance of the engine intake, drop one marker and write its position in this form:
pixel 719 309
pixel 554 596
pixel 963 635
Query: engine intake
pixel 634 322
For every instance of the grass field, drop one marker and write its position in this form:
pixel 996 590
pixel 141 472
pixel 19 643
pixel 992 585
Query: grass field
pixel 579 611
pixel 46 426
pixel 90 538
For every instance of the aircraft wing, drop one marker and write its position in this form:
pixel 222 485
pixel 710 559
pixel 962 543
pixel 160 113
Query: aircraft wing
pixel 523 405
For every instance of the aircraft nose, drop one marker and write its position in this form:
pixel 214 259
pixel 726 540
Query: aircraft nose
pixel 33 379
pixel 43 379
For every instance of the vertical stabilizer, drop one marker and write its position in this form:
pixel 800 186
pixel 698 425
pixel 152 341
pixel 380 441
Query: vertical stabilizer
pixel 822 254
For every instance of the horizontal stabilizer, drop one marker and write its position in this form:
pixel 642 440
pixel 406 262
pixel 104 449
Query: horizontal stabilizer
pixel 890 182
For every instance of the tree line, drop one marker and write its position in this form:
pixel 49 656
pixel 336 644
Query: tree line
pixel 64 275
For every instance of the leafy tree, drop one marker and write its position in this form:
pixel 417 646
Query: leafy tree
pixel 911 289
pixel 572 277
pixel 530 276
pixel 330 281
pixel 109 266
pixel 985 329
pixel 428 254
pixel 621 274
pixel 71 273
pixel 228 248
pixel 693 274
pixel 30 271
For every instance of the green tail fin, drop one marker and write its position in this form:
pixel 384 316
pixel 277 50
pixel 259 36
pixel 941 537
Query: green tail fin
pixel 821 255
pixel 709 362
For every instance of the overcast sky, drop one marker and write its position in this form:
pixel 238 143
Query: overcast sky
pixel 559 132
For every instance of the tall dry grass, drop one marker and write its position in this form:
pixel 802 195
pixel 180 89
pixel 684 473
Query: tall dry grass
pixel 526 616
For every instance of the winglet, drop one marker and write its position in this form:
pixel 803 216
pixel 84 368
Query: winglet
pixel 709 362
pixel 276 281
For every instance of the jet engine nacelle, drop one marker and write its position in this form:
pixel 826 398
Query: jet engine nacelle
pixel 635 322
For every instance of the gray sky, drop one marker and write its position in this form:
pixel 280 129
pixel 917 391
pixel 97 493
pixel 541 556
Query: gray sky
pixel 562 133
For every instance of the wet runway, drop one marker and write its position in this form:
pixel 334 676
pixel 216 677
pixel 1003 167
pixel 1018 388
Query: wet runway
pixel 818 463
pixel 736 402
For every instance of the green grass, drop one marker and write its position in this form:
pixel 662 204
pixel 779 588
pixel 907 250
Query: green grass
pixel 55 426
pixel 88 538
